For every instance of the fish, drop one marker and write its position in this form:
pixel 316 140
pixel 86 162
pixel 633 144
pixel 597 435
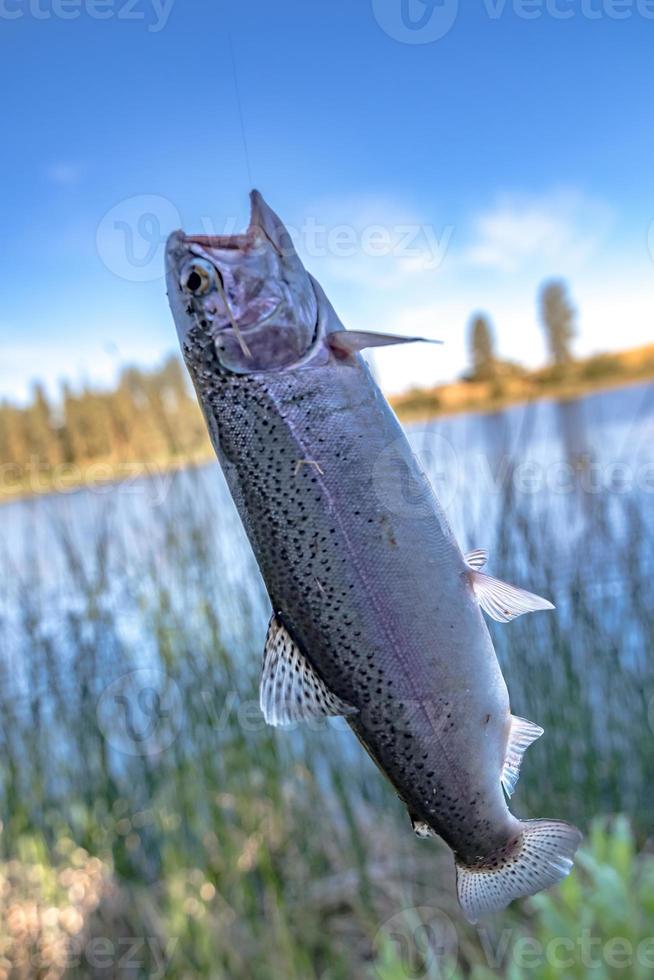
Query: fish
pixel 376 612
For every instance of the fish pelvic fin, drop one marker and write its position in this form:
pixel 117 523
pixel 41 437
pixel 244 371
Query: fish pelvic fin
pixel 290 689
pixel 343 343
pixel 521 735
pixel 502 601
pixel 540 857
pixel 421 828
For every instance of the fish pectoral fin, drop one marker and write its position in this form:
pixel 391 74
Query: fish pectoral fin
pixel 346 342
pixel 290 689
pixel 521 735
pixel 476 559
pixel 420 828
pixel 502 601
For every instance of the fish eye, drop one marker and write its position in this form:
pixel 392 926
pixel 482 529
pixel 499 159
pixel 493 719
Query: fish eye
pixel 198 277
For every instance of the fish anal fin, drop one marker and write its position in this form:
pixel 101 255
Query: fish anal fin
pixel 290 689
pixel 522 734
pixel 502 601
pixel 540 857
pixel 343 343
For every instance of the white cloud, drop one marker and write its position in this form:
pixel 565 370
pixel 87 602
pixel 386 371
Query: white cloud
pixel 559 229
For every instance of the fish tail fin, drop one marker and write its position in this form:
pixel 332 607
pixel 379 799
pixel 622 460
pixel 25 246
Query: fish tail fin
pixel 541 856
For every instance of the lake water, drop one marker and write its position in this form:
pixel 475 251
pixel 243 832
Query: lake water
pixel 555 462
pixel 559 493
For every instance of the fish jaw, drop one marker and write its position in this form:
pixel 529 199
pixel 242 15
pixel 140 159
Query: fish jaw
pixel 248 294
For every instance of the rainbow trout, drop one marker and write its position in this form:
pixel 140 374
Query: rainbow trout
pixel 376 611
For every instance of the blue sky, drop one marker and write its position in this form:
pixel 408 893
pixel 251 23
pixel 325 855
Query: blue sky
pixel 423 181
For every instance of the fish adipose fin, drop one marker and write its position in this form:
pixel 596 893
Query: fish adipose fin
pixel 346 342
pixel 540 857
pixel 521 736
pixel 476 559
pixel 500 600
pixel 290 689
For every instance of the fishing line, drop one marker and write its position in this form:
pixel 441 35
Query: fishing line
pixel 238 104
pixel 239 108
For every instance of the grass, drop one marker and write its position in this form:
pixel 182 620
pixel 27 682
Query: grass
pixel 597 923
pixel 153 826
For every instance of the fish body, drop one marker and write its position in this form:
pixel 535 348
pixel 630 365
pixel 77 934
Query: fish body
pixel 376 611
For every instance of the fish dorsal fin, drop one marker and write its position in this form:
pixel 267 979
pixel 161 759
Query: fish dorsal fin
pixel 476 559
pixel 290 689
pixel 346 342
pixel 502 601
pixel 521 736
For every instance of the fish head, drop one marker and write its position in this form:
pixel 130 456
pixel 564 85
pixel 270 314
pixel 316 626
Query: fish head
pixel 248 293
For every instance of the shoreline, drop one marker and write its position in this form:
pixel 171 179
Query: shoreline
pixel 570 391
pixel 89 478
pixel 101 475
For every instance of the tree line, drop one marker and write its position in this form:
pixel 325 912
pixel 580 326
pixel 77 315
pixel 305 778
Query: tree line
pixel 152 416
pixel 149 416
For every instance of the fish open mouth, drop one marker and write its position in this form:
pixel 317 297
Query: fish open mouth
pixel 262 221
pixel 249 291
pixel 249 301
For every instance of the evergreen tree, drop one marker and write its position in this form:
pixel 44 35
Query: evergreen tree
pixel 148 417
pixel 42 442
pixel 558 317
pixel 13 448
pixel 482 349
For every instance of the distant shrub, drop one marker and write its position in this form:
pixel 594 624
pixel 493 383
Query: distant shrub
pixel 600 366
pixel 419 401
